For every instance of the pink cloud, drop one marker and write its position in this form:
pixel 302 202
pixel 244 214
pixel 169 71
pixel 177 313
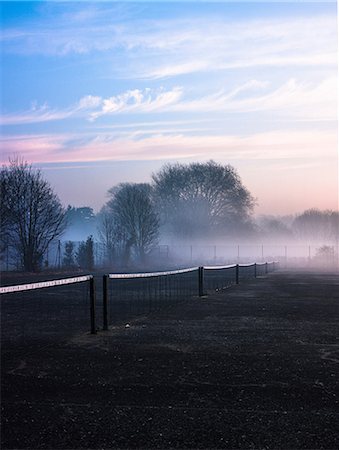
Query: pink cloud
pixel 284 144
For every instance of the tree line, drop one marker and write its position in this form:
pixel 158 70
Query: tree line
pixel 196 201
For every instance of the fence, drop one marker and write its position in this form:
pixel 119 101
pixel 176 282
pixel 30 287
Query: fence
pixel 127 295
pixel 289 254
pixel 62 307
pixel 58 308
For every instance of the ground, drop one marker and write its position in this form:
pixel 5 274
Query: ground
pixel 252 367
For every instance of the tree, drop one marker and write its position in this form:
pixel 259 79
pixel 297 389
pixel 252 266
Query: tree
pixel 201 198
pixel 135 219
pixel 275 227
pixel 5 216
pixel 81 222
pixel 325 256
pixel 68 260
pixel 32 215
pixel 85 254
pixel 316 225
pixel 109 235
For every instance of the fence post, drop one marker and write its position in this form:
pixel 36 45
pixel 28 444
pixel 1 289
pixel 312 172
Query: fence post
pixel 201 281
pixel 92 308
pixel 105 302
pixel 255 270
pixel 237 274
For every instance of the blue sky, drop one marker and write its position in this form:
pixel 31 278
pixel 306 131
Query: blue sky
pixel 99 93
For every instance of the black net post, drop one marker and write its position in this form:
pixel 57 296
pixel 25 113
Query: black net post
pixel 92 307
pixel 201 281
pixel 105 302
pixel 237 274
pixel 266 267
pixel 255 270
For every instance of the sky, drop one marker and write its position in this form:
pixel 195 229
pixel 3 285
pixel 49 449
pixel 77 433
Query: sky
pixel 100 93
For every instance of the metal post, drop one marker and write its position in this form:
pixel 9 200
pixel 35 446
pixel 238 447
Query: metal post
pixel 201 281
pixel 92 308
pixel 266 267
pixel 237 274
pixel 255 270
pixel 105 302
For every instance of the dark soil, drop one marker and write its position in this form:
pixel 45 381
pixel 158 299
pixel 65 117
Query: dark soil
pixel 252 367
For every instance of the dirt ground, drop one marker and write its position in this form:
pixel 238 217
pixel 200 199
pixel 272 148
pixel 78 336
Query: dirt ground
pixel 252 367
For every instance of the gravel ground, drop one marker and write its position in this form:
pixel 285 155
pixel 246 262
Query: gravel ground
pixel 253 367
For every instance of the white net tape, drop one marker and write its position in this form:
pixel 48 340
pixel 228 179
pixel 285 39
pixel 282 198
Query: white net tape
pixel 43 284
pixel 230 266
pixel 151 274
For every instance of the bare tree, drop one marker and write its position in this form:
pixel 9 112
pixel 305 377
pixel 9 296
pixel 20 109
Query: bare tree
pixel 5 220
pixel 316 225
pixel 32 215
pixel 201 198
pixel 134 216
pixel 111 236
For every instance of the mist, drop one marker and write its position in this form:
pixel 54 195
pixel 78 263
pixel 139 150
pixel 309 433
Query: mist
pixel 312 245
pixel 188 215
pixel 194 214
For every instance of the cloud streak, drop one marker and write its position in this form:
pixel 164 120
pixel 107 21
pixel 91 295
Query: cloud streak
pixel 275 145
pixel 292 99
pixel 155 49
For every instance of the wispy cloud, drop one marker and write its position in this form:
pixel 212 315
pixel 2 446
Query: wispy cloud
pixel 40 115
pixel 277 145
pixel 292 99
pixel 170 47
pixel 44 113
pixel 137 100
pixel 33 148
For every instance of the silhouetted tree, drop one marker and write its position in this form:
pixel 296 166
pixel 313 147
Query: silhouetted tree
pixel 134 216
pixel 85 254
pixel 81 222
pixel 111 235
pixel 32 215
pixel 69 256
pixel 201 198
pixel 5 214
